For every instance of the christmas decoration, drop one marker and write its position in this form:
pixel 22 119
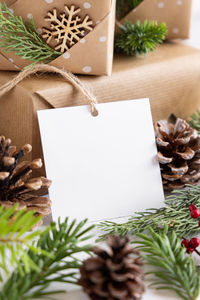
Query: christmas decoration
pixel 58 35
pixel 191 245
pixel 14 234
pixel 175 214
pixel 113 273
pixel 22 38
pixel 62 242
pixel 66 29
pixel 170 266
pixel 178 153
pixel 138 39
pixel 16 184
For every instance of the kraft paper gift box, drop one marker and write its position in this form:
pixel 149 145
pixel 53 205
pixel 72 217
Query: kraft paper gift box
pixel 169 77
pixel 176 14
pixel 93 54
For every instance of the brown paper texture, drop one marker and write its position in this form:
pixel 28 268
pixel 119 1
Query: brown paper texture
pixel 169 77
pixel 82 57
pixel 176 14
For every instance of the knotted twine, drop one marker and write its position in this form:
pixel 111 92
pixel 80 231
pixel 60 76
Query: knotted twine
pixel 51 69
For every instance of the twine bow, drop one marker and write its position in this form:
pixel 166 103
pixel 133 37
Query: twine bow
pixel 51 69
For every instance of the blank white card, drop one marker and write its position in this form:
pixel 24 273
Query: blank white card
pixel 102 167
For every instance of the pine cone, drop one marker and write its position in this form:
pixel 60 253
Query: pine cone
pixel 16 184
pixel 113 274
pixel 178 153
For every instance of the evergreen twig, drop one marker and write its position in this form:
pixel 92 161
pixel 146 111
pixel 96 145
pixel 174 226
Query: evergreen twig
pixel 22 38
pixel 14 239
pixel 138 39
pixel 171 267
pixel 63 242
pixel 194 121
pixel 175 214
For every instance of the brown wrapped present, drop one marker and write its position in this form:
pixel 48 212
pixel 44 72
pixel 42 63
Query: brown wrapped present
pixel 176 14
pixel 97 39
pixel 169 77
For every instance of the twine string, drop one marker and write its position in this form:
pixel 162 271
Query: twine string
pixel 74 80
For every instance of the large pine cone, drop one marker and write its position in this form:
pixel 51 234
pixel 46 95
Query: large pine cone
pixel 178 153
pixel 114 273
pixel 16 184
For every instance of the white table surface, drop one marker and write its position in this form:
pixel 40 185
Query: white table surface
pixel 149 294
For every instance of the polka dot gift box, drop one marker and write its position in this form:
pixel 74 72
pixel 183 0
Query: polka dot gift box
pixel 80 31
pixel 176 14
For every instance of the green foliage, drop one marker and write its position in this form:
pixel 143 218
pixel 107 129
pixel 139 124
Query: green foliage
pixel 175 214
pixel 14 239
pixel 138 39
pixel 171 267
pixel 125 6
pixel 63 242
pixel 194 121
pixel 22 38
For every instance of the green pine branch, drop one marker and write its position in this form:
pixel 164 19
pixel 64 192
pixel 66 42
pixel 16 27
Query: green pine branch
pixel 170 266
pixel 63 243
pixel 194 121
pixel 138 39
pixel 14 239
pixel 22 38
pixel 174 214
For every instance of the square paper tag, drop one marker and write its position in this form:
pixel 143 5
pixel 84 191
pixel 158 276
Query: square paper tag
pixel 102 167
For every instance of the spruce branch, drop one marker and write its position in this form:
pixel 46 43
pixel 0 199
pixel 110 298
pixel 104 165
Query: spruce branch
pixel 174 214
pixel 138 39
pixel 170 266
pixel 14 239
pixel 194 121
pixel 63 242
pixel 22 38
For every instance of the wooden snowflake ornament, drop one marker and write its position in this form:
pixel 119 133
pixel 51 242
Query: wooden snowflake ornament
pixel 66 29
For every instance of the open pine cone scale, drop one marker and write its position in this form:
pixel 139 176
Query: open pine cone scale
pixel 178 153
pixel 16 182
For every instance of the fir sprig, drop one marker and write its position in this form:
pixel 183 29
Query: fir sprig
pixel 14 239
pixel 171 267
pixel 63 242
pixel 22 38
pixel 175 214
pixel 194 121
pixel 138 39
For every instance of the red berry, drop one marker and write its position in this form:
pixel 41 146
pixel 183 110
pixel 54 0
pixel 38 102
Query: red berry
pixel 190 250
pixel 194 243
pixel 192 207
pixel 199 223
pixel 185 243
pixel 195 213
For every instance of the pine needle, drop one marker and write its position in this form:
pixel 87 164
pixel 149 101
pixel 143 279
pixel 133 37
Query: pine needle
pixel 171 267
pixel 194 121
pixel 63 242
pixel 174 214
pixel 139 39
pixel 14 239
pixel 22 38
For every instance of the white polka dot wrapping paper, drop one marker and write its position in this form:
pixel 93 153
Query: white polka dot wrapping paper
pixel 176 14
pixel 91 55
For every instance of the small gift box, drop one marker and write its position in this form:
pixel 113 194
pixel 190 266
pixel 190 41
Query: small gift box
pixel 176 14
pixel 80 31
